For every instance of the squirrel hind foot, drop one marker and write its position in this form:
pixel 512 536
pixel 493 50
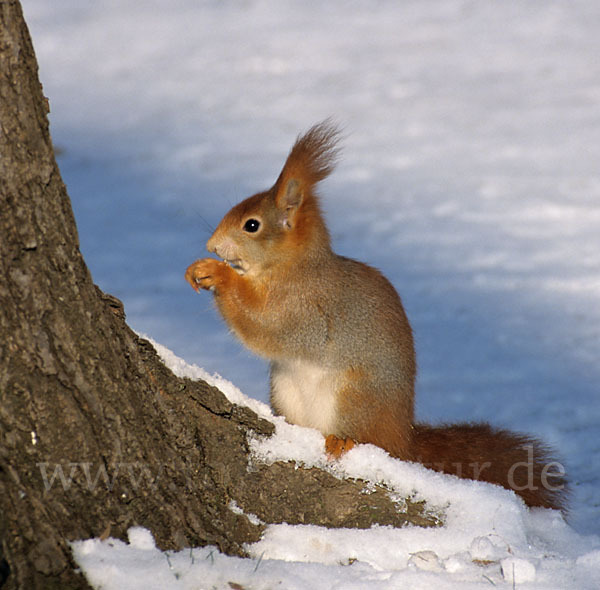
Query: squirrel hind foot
pixel 335 447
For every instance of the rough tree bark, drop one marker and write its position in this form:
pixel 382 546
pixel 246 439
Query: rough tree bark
pixel 82 397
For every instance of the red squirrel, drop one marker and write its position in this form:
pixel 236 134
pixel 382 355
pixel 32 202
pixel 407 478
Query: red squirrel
pixel 339 343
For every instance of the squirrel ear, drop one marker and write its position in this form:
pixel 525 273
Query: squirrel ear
pixel 288 199
pixel 311 160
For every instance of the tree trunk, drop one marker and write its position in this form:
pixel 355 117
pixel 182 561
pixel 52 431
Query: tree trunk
pixel 96 434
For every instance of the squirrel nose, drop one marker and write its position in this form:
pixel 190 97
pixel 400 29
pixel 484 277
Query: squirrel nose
pixel 211 246
pixel 222 247
pixel 214 243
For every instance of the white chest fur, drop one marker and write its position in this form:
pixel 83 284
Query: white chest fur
pixel 305 394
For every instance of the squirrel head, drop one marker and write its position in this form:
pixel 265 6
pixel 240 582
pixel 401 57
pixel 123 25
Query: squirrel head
pixel 283 225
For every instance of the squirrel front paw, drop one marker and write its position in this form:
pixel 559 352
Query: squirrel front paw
pixel 205 273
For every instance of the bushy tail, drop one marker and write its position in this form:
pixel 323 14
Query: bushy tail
pixel 478 451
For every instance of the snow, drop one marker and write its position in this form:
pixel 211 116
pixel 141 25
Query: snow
pixel 469 176
pixel 517 571
pixel 488 537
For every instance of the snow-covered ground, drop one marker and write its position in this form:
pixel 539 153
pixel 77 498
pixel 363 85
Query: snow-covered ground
pixel 470 176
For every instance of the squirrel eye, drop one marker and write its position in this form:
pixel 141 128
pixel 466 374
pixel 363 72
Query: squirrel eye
pixel 251 225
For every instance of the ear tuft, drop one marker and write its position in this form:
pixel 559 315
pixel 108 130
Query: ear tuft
pixel 311 159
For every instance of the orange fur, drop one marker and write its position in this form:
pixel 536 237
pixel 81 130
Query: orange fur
pixel 313 156
pixel 369 419
pixel 340 345
pixel 477 451
pixel 335 447
pixel 235 296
